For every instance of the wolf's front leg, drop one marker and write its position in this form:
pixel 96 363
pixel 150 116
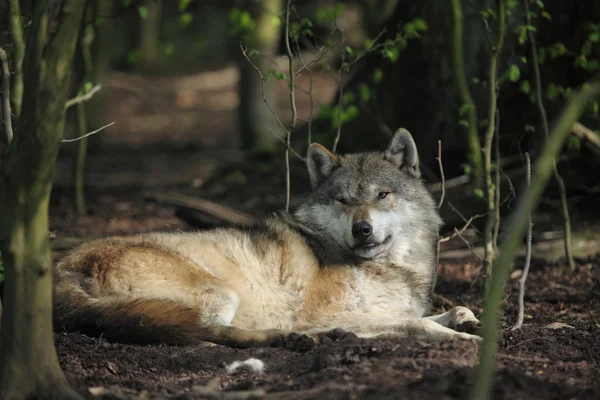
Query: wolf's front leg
pixel 459 318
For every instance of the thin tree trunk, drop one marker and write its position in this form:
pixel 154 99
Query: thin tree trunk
pixel 28 363
pixel 149 33
pixel 255 118
pixel 82 120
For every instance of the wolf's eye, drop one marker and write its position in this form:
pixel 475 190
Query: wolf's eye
pixel 342 200
pixel 383 195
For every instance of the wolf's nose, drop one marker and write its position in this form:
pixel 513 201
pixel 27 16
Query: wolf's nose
pixel 362 230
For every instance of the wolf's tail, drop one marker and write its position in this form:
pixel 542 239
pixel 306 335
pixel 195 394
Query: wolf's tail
pixel 129 320
pixel 149 321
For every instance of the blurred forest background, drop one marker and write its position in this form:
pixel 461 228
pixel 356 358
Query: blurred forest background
pixel 184 100
pixel 183 114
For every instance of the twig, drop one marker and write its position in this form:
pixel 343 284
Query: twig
pixel 87 134
pixel 83 98
pixel 469 245
pixel 341 91
pixel 523 279
pixel 262 89
pixel 5 98
pixel 288 132
pixel 457 232
pixel 443 181
pixel 542 111
pixel 497 183
pixel 465 220
pixel 282 140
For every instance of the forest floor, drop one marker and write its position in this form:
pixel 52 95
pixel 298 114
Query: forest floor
pixel 556 355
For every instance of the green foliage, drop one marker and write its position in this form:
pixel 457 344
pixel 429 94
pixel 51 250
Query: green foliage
pixel 329 16
pixel 513 73
pixel 241 22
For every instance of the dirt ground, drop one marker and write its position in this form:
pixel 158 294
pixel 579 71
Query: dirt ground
pixel 556 355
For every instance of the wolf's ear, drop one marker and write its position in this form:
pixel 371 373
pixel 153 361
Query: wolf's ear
pixel 402 152
pixel 321 163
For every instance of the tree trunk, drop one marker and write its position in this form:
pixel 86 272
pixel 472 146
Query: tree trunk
pixel 150 33
pixel 255 118
pixel 29 366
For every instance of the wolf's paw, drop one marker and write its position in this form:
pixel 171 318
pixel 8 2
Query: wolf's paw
pixel 336 335
pixel 465 320
pixel 472 327
pixel 295 342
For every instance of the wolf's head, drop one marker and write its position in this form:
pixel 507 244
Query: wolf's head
pixel 373 205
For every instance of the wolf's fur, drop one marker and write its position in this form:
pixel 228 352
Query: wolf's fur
pixel 304 273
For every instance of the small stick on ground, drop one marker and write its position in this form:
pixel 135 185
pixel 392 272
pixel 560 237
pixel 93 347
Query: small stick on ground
pixel 523 279
pixel 443 179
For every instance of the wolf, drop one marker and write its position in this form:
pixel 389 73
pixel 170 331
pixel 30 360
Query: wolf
pixel 358 256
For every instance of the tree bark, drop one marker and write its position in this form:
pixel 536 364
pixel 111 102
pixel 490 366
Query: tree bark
pixel 29 366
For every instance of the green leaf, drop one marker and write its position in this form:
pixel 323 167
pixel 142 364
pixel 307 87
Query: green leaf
pixel 143 11
pixel 514 73
pixel 349 50
pixel 462 111
pixel 524 60
pixel 478 192
pixel 87 86
pixel 185 19
pixel 377 75
pixel 364 92
pixel 574 143
pixel 525 87
pixel 127 3
pixel 183 4
pixel 420 24
pixel 546 14
pixel 253 53
pixel 529 128
pixel 463 123
pixel 168 50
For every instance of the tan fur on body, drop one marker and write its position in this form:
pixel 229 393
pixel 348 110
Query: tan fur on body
pixel 256 286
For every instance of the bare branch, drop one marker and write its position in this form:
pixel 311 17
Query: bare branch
pixel 83 98
pixel 87 134
pixel 288 132
pixel 457 232
pixel 523 279
pixel 469 245
pixel 465 220
pixel 496 230
pixel 443 181
pixel 5 98
pixel 282 140
pixel 341 89
pixel 262 89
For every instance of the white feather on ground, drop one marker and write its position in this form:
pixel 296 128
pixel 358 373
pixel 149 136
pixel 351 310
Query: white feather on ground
pixel 253 365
